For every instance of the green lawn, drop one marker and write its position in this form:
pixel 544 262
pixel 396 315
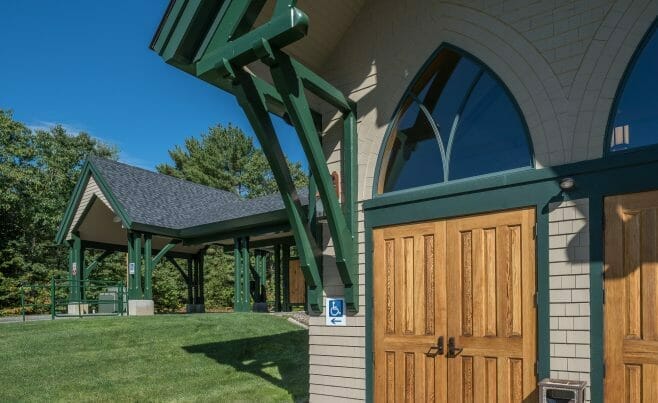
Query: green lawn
pixel 204 357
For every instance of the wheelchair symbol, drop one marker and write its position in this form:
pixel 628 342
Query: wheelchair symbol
pixel 336 308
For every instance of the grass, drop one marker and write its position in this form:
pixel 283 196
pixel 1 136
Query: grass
pixel 203 357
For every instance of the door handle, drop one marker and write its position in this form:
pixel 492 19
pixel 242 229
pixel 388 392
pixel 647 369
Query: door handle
pixel 453 351
pixel 437 349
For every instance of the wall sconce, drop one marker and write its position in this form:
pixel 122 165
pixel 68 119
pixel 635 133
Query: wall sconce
pixel 567 184
pixel 116 219
pixel 320 214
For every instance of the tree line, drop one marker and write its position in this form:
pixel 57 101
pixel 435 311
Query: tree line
pixel 39 169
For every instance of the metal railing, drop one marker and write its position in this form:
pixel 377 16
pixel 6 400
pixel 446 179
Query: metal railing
pixel 97 298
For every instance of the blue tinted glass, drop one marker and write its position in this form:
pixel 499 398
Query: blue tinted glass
pixel 636 119
pixel 415 158
pixel 490 135
pixel 447 94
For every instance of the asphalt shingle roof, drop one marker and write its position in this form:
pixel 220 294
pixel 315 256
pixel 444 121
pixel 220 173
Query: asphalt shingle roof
pixel 164 201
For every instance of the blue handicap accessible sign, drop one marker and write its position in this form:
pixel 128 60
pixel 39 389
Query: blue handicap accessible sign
pixel 335 312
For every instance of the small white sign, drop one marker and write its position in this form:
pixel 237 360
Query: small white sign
pixel 74 269
pixel 131 268
pixel 335 312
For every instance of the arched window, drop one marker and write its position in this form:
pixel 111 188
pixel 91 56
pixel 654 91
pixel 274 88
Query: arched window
pixel 635 116
pixel 456 121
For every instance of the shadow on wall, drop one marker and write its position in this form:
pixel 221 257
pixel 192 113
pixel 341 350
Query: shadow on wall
pixel 285 353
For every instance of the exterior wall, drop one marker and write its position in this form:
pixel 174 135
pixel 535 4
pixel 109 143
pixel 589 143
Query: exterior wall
pixel 569 290
pixel 562 61
pixel 90 190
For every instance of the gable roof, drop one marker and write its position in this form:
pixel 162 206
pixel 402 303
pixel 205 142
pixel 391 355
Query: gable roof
pixel 149 199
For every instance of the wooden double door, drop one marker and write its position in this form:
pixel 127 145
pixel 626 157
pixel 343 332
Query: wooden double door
pixel 454 315
pixel 631 298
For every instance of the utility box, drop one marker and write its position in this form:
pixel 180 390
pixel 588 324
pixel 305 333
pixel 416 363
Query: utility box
pixel 107 302
pixel 561 391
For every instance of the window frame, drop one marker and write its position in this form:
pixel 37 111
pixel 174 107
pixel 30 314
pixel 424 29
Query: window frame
pixel 607 150
pixel 410 93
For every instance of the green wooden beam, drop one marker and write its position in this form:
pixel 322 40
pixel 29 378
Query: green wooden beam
pixel 255 108
pixel 180 269
pixel 287 79
pixel 148 266
pixel 281 30
pixel 95 263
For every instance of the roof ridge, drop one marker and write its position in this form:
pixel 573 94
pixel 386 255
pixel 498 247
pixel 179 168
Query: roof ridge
pixel 91 156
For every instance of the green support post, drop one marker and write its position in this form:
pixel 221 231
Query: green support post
pixel 246 262
pixel 23 303
pixel 277 278
pixel 200 260
pixel 237 283
pixel 285 259
pixel 134 266
pixel 148 267
pixel 190 282
pixel 76 269
pixel 52 297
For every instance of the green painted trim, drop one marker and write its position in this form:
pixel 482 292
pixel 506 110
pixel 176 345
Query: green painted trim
pixel 74 200
pixel 370 354
pixel 611 164
pixel 596 258
pixel 594 180
pixel 253 225
pixel 622 85
pixel 542 267
pixel 484 67
pixel 117 207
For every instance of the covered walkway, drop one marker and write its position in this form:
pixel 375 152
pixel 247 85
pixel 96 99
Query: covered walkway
pixel 154 217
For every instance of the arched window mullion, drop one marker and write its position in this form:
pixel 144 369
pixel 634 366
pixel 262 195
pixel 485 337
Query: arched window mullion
pixel 455 122
pixel 437 134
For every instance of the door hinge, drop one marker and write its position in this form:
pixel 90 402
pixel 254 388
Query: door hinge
pixel 537 368
pixel 534 231
pixel 536 298
pixel 603 296
pixel 373 359
pixel 604 365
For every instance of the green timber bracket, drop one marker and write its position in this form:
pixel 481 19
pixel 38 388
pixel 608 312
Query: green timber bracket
pixel 215 41
pixel 151 261
pixel 95 263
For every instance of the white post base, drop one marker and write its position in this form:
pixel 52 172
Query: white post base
pixel 141 307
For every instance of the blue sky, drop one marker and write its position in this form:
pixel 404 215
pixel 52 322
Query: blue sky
pixel 86 65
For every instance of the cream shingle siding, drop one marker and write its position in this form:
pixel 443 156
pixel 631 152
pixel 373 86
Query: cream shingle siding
pixel 561 60
pixel 569 290
pixel 90 190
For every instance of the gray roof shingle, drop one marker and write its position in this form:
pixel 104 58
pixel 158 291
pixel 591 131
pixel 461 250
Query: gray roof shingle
pixel 160 200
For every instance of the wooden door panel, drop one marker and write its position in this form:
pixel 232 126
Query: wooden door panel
pixel 409 302
pixel 472 278
pixel 491 313
pixel 631 308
